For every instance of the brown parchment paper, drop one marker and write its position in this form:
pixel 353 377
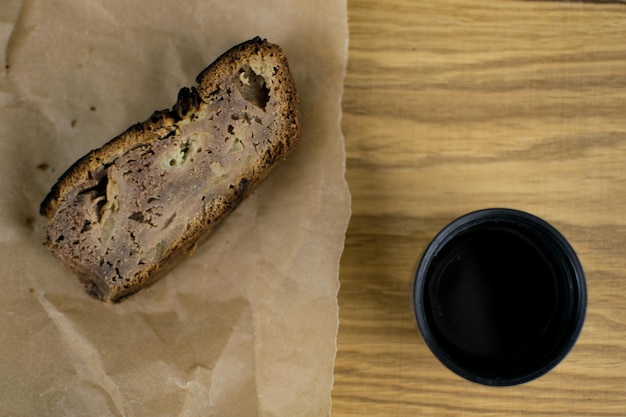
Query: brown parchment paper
pixel 247 325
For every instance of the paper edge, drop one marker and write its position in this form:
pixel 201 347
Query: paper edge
pixel 345 186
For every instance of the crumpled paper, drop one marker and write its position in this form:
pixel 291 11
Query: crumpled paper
pixel 247 325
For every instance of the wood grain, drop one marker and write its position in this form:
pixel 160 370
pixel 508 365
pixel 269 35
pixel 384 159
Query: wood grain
pixel 452 106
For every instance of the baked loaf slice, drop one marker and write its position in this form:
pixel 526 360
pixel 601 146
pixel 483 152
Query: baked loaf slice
pixel 126 213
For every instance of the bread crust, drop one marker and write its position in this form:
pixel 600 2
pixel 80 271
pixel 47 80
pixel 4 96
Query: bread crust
pixel 266 90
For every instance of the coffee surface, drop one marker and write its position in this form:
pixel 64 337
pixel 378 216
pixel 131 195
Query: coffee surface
pixel 496 294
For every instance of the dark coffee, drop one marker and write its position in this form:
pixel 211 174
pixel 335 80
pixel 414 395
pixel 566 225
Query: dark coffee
pixel 496 299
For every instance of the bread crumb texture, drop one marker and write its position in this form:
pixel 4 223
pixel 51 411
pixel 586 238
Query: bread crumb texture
pixel 124 214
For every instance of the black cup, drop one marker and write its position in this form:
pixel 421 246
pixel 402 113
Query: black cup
pixel 500 297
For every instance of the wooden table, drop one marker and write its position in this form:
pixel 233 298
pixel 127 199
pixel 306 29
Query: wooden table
pixel 452 106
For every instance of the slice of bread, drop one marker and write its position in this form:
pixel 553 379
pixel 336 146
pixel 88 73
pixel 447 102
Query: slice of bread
pixel 126 213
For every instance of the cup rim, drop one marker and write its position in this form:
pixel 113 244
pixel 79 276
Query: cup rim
pixel 560 247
